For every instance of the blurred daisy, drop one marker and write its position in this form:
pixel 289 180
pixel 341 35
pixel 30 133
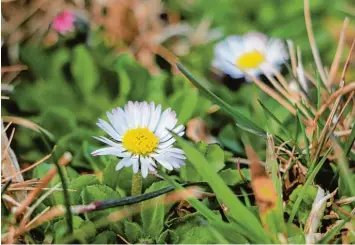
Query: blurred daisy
pixel 253 53
pixel 64 22
pixel 140 136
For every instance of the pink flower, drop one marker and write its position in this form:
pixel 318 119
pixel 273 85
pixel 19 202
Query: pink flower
pixel 64 22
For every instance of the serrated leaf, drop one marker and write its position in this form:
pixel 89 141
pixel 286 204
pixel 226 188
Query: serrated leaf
pixel 98 193
pixel 168 237
pixel 233 176
pixel 133 231
pixel 196 235
pixel 153 218
pixel 78 184
pixel 213 154
pixel 60 228
pixel 105 237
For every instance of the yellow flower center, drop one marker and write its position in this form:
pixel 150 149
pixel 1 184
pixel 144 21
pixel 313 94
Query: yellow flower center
pixel 250 60
pixel 140 141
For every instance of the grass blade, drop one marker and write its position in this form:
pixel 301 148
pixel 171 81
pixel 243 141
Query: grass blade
pixel 349 142
pixel 332 233
pixel 310 179
pixel 241 121
pixel 269 113
pixel 306 141
pixel 238 211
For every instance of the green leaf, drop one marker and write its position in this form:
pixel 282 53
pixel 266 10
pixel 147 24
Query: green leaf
pixel 105 237
pixel 279 123
pixel 78 184
pixel 84 70
pixel 240 119
pixel 229 233
pixel 57 196
pixel 184 103
pixel 58 120
pixel 117 179
pixel 233 176
pixel 94 193
pixel 168 237
pixel 195 235
pixel 60 228
pixel 133 231
pixel 238 211
pixel 153 217
pixel 229 138
pixel 131 75
pixel 215 157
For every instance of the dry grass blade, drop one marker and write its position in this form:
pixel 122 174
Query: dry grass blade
pixel 45 181
pixel 59 210
pixel 291 50
pixel 341 91
pixel 347 62
pixel 33 165
pixel 337 57
pixel 312 41
pixel 36 204
pixel 7 127
pixel 263 188
pixel 273 94
pixel 9 163
pixel 13 68
pixel 23 122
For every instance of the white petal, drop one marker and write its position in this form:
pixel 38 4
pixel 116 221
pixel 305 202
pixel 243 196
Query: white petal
pixel 145 163
pixel 163 121
pixel 125 162
pixel 135 163
pixel 154 118
pixel 276 52
pixel 136 114
pixel 163 162
pixel 178 130
pixel 255 41
pixel 109 142
pixel 119 118
pixel 175 155
pixel 105 126
pixel 166 144
pixel 170 123
pixel 110 151
pixel 145 115
pixel 128 109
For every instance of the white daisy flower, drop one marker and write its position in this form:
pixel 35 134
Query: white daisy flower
pixel 253 53
pixel 140 136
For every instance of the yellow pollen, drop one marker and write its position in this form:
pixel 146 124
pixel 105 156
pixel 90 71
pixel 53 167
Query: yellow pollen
pixel 140 141
pixel 250 60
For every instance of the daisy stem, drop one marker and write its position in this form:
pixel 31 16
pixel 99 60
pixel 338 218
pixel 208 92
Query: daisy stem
pixel 136 184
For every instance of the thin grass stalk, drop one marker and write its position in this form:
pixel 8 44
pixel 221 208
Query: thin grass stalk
pixel 337 57
pixel 308 182
pixel 312 42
